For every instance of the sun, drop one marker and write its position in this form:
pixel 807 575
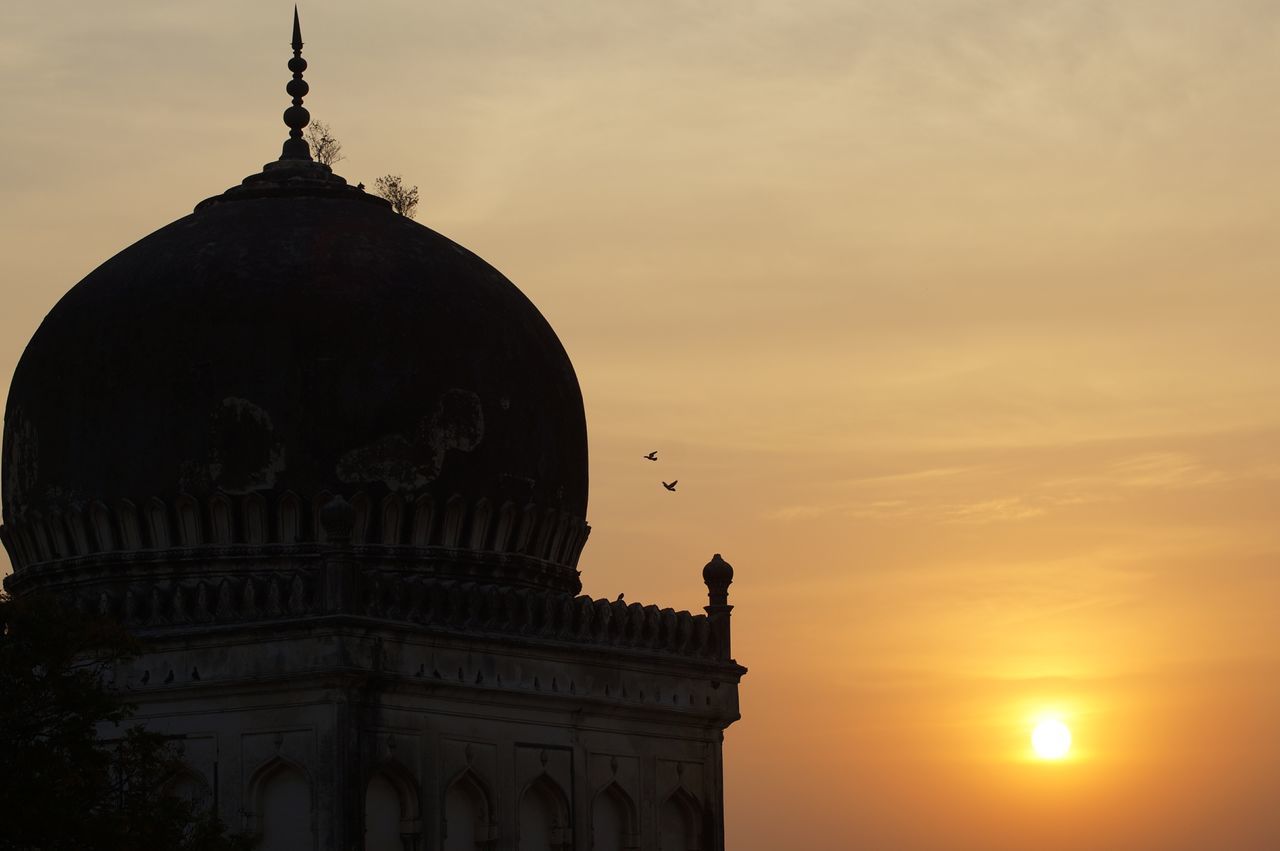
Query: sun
pixel 1051 739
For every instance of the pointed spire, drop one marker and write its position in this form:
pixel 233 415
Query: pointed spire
pixel 295 172
pixel 296 117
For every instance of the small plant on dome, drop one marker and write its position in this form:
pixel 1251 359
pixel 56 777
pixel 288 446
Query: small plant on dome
pixel 325 148
pixel 404 199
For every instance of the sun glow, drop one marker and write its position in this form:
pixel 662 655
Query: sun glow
pixel 1051 739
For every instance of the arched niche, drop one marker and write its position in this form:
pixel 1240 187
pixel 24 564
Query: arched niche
pixel 392 812
pixel 614 825
pixel 468 823
pixel 281 811
pixel 544 820
pixel 680 822
pixel 189 785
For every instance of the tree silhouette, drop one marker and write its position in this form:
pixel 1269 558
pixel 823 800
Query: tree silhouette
pixel 61 786
pixel 404 199
pixel 325 149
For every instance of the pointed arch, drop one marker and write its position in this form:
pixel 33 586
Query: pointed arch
pixel 544 821
pixel 58 532
pixel 680 822
pixel 615 824
pixel 288 518
pixel 130 528
pixel 104 532
pixel 392 808
pixel 158 525
pixel 318 502
pixel 280 807
pixel 254 511
pixel 478 535
pixel 424 514
pixel 189 785
pixel 468 822
pixel 190 532
pixel 77 531
pixel 392 531
pixel 221 525
pixel 506 522
pixel 455 516
pixel 361 518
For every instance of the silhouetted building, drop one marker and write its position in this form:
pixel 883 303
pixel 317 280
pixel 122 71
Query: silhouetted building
pixel 332 467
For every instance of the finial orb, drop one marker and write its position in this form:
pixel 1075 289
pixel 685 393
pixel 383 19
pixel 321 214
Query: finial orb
pixel 297 117
pixel 297 64
pixel 718 571
pixel 297 88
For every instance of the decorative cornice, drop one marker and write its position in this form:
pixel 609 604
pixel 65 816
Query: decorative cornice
pixel 543 540
pixel 157 605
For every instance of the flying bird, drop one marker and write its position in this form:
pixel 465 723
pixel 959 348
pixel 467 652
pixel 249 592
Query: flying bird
pixel 652 456
pixel 671 486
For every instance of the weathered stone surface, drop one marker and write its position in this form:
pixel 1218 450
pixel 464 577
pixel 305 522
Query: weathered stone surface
pixel 294 343
pixel 616 752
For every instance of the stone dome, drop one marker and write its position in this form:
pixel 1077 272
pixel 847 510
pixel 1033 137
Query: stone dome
pixel 291 340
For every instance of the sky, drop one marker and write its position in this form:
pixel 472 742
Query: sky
pixel 955 320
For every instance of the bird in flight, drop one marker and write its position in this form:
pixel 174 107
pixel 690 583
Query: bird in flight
pixel 652 456
pixel 671 486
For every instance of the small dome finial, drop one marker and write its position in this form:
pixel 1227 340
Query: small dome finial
pixel 718 574
pixel 296 117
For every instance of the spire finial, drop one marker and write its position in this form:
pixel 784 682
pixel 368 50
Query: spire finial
pixel 718 574
pixel 296 117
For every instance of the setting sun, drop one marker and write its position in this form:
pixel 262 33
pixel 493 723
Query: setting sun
pixel 955 321
pixel 1051 739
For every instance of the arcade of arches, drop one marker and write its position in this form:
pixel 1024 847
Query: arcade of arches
pixel 283 815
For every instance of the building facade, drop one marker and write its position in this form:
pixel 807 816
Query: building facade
pixel 332 468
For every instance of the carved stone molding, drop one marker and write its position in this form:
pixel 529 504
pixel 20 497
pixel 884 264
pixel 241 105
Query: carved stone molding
pixel 163 603
pixel 184 529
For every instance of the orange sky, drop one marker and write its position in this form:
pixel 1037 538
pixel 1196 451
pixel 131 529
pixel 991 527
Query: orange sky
pixel 955 319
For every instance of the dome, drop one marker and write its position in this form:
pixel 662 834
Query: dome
pixel 292 340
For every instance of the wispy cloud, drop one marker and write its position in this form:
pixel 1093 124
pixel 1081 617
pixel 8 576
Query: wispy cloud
pixel 996 510
pixel 1035 482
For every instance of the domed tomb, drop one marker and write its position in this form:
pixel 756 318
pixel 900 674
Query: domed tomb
pixel 219 381
pixel 329 468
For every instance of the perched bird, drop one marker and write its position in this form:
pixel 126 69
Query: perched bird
pixel 195 673
pixel 619 600
pixel 169 678
pixel 671 486
pixel 146 677
pixel 652 456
